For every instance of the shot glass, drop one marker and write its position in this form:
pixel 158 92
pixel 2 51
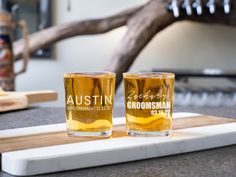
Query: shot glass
pixel 89 102
pixel 149 103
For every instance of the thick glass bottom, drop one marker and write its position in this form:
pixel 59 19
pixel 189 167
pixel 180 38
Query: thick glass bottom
pixel 91 134
pixel 149 133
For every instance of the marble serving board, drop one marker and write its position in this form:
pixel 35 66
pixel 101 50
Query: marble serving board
pixel 46 149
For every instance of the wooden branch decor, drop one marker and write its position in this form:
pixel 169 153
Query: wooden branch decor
pixel 143 23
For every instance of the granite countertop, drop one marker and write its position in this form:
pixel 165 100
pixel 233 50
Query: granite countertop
pixel 215 162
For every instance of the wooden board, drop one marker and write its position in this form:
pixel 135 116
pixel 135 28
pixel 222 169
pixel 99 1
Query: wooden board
pixel 20 100
pixel 50 144
pixel 60 137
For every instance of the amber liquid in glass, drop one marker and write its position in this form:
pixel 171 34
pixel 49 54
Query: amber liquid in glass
pixel 89 101
pixel 149 103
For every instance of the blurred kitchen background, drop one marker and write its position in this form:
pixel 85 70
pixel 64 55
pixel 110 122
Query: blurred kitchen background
pixel 184 45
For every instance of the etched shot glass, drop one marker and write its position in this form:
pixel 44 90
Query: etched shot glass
pixel 89 102
pixel 149 103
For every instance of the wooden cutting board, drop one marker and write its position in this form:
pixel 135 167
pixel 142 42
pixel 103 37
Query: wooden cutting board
pixel 20 100
pixel 44 149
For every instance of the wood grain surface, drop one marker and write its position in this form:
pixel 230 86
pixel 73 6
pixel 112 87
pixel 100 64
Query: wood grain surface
pixel 59 138
pixel 20 100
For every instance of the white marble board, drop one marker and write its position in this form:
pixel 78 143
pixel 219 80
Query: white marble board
pixel 110 151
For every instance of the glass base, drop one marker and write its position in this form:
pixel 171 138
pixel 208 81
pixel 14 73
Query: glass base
pixel 91 134
pixel 149 133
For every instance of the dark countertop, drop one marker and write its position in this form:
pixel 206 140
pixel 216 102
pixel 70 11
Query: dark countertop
pixel 220 162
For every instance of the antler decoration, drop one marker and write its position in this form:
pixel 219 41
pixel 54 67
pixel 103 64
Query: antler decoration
pixel 143 23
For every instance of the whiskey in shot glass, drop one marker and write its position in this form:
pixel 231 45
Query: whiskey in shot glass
pixel 89 102
pixel 149 103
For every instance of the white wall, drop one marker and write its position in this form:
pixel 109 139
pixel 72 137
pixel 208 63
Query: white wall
pixel 183 45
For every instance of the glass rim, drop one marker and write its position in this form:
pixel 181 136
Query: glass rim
pixel 90 74
pixel 149 74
